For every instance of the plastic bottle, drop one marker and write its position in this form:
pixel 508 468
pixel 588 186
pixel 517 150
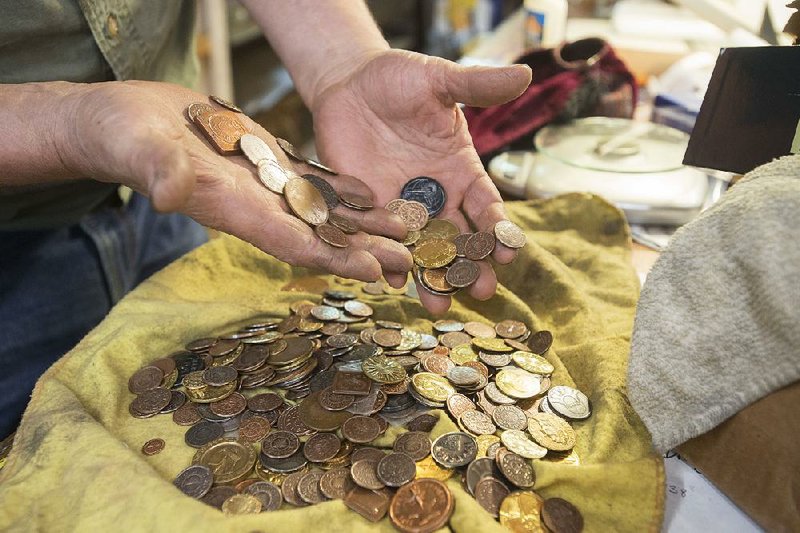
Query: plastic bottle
pixel 545 23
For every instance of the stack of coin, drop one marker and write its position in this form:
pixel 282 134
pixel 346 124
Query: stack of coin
pixel 445 260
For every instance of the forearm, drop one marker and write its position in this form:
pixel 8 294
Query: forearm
pixel 319 42
pixel 34 123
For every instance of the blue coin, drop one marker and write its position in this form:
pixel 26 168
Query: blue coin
pixel 426 191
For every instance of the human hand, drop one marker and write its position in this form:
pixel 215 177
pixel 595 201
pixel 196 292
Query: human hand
pixel 137 134
pixel 394 117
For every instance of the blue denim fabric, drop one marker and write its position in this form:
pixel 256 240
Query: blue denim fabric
pixel 56 285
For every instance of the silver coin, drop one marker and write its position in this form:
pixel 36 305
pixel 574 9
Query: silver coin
pixel 272 175
pixel 256 149
pixel 453 450
pixel 569 402
pixel 325 312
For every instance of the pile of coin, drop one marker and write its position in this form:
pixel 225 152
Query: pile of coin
pixel 445 260
pixel 289 411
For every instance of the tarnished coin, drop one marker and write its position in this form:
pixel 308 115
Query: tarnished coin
pixel 345 224
pixel 364 473
pixel 358 202
pixel 478 469
pixel 272 175
pixel 426 191
pixel 186 415
pixel 336 483
pixel 325 188
pixel 462 273
pixel 540 342
pixel 267 493
pixel 551 431
pixel 291 464
pixel 217 496
pixel 422 506
pixel 262 403
pixel 424 423
pixel 355 383
pixel 229 407
pixel 461 241
pixel 569 402
pixel 516 469
pixel 520 512
pixel 413 214
pixel 306 201
pixel 153 446
pixel 280 444
pixel 479 246
pixel 202 433
pixel 335 402
pixel 361 429
pixel 510 329
pixel 150 402
pixel 195 480
pixel 255 148
pixel 332 235
pixel 415 444
pixel 490 493
pixel 308 487
pixel 509 234
pixel 560 516
pixel 321 447
pixel 254 429
pixel 458 404
pixel 434 253
pixel 388 338
pixel 370 504
pixel 396 469
pixel 519 443
pixel 196 109
pixel 289 489
pixel 477 423
pixel 241 504
pixel 453 450
pixel 225 103
pixel 146 378
pixel 510 417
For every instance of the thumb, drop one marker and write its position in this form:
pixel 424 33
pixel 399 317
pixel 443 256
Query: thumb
pixel 168 172
pixel 483 86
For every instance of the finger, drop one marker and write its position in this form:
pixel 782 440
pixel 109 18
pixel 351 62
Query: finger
pixel 393 256
pixel 486 285
pixel 377 221
pixel 396 280
pixel 161 162
pixel 481 86
pixel 484 207
pixel 434 303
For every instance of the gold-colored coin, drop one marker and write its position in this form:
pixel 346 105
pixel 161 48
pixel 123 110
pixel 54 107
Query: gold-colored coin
pixel 484 441
pixel 434 253
pixel 411 238
pixel 265 475
pixel 491 345
pixel 533 363
pixel 229 460
pixel 306 201
pixel 551 431
pixel 520 512
pixel 432 386
pixel 519 443
pixel 383 369
pixel 427 468
pixel 241 504
pixel 438 228
pixel 463 353
pixel 518 383
pixel 209 394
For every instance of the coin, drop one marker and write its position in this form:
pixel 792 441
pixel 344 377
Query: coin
pixel 479 246
pixel 453 450
pixel 289 149
pixel 413 214
pixel 396 469
pixel 186 415
pixel 360 429
pixel 518 383
pixel 332 235
pixel 454 338
pixel 272 175
pixel 383 369
pixel 354 307
pixel 254 429
pixel 146 378
pixel 509 234
pixel 536 364
pixel 510 417
pixel 325 188
pixel 434 253
pixel 458 404
pixel 436 279
pixel 432 386
pixel 484 441
pixel 491 345
pixel 355 383
pixel 280 444
pixel 423 422
pixel 478 469
pixel 306 201
pixel 150 402
pixel 551 431
pixel 422 506
pixel 222 129
pixel 153 446
pixel 462 273
pixel 519 443
pixel 196 109
pixel 540 342
pixel 217 496
pixel 291 464
pixel 262 403
pixel 194 480
pixel 230 460
pixel 255 148
pixel 464 376
pixel 510 329
pixel 370 504
pixel 321 447
pixel 336 483
pixel 394 205
pixel 308 487
pixel 345 224
pixel 490 493
pixel 560 516
pixel 461 241
pixel 569 402
pixel 335 402
pixel 364 474
pixel 415 444
pixel 520 512
pixel 241 504
pixel 428 192
pixel 289 489
pixel 225 103
pixel 516 469
pixel 267 493
pixel 356 201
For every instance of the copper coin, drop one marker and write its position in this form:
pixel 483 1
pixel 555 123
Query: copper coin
pixel 355 383
pixel 560 516
pixel 267 493
pixel 153 446
pixel 509 234
pixel 344 223
pixel 540 342
pixel 479 246
pixel 462 273
pixel 292 419
pixel 461 242
pixel 415 444
pixel 438 364
pixel 306 201
pixel 332 235
pixel 458 404
pixel 222 129
pixel 151 402
pixel 367 452
pixel 313 415
pixel 454 338
pixel 370 504
pixel 280 444
pixel 254 429
pixel 388 338
pixel 231 406
pixel 308 487
pixel 321 447
pixel 296 348
pixel 336 483
pixel 196 109
pixel 335 402
pixel 356 201
pixel 510 329
pixel 394 205
pixel 289 489
pixel 479 469
pixel 436 279
pixel 218 376
pixel 479 329
pixel 396 469
pixel 223 347
pixel 195 480
pixel 490 493
pixel 217 495
pixel 422 506
pixel 177 399
pixel 515 468
pixel 166 364
pixel 145 378
pixel 365 474
pixel 424 423
pixel 361 429
pixel 262 403
pixel 325 188
pixel 343 340
pixel 186 415
pixel 413 214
